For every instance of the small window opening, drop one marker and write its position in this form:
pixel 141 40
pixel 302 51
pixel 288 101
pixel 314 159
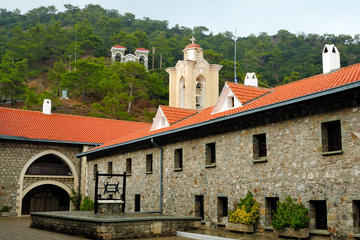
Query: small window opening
pixel 318 214
pixel 109 167
pixel 128 166
pixel 95 170
pixel 331 136
pixel 325 50
pixel 333 50
pixel 259 146
pixel 222 208
pixel 231 102
pixel 149 163
pixel 199 206
pixel 137 202
pixel 178 159
pixel 270 209
pixel 118 57
pixel 356 215
pixel 210 154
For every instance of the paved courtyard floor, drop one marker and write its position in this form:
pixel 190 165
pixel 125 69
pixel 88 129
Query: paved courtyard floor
pixel 17 228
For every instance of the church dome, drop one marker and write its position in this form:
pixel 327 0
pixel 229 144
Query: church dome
pixel 191 45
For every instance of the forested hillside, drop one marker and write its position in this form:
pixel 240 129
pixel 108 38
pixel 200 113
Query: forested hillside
pixel 38 50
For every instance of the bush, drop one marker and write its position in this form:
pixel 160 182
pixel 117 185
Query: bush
pixel 5 209
pixel 87 204
pixel 247 211
pixel 75 198
pixel 290 214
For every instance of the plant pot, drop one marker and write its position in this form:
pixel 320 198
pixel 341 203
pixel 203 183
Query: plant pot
pixel 289 232
pixel 4 214
pixel 238 227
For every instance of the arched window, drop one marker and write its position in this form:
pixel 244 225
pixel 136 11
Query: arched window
pixel 118 57
pixel 182 93
pixel 200 92
pixel 49 165
pixel 142 60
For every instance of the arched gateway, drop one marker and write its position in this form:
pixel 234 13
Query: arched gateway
pixel 45 183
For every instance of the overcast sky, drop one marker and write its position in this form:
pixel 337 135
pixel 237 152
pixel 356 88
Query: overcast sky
pixel 247 16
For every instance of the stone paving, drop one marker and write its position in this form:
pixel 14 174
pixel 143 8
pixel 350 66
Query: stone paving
pixel 17 228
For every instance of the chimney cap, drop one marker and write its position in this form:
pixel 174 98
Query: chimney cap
pixel 47 106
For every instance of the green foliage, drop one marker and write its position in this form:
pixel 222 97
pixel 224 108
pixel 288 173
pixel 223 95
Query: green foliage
pixel 75 198
pixel 5 209
pixel 247 211
pixel 290 214
pixel 87 204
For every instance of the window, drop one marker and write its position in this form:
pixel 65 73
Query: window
pixel 199 206
pixel 149 162
pixel 259 146
pixel 331 136
pixel 222 208
pixel 110 168
pixel 318 213
pixel 95 170
pixel 178 159
pixel 128 166
pixel 270 209
pixel 231 101
pixel 210 154
pixel 137 203
pixel 356 215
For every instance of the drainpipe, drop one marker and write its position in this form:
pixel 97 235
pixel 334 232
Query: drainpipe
pixel 160 175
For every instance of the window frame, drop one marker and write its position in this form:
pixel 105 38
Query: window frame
pixel 335 127
pixel 149 167
pixel 259 142
pixel 178 163
pixel 210 154
pixel 128 167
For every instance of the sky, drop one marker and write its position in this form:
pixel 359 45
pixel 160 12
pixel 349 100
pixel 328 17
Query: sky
pixel 245 16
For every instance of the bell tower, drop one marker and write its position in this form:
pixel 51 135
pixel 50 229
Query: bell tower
pixel 193 82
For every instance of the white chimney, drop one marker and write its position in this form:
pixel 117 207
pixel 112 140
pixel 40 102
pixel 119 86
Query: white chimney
pixel 251 79
pixel 47 106
pixel 330 58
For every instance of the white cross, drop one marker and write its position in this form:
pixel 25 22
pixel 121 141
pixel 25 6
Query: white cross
pixel 192 39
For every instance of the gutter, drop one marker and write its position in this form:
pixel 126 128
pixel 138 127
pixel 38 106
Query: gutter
pixel 46 141
pixel 311 96
pixel 160 175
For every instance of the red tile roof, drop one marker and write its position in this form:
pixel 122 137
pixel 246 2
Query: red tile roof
pixel 191 45
pixel 118 46
pixel 174 114
pixel 246 93
pixel 278 94
pixel 142 49
pixel 62 127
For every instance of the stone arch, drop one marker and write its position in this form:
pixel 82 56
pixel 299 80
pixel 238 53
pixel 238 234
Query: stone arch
pixel 50 182
pixel 118 57
pixel 130 57
pixel 43 183
pixel 200 92
pixel 33 159
pixel 182 92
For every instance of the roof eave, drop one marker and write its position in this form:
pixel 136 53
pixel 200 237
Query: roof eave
pixel 235 115
pixel 16 138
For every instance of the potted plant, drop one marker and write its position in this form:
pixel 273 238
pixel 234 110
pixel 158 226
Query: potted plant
pixel 291 219
pixel 5 211
pixel 245 216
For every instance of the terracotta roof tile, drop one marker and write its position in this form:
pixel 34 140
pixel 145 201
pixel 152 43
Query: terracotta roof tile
pixel 118 46
pixel 191 45
pixel 278 94
pixel 142 49
pixel 62 127
pixel 246 93
pixel 174 114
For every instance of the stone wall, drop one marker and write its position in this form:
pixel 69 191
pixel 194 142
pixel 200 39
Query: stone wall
pixel 13 157
pixel 295 167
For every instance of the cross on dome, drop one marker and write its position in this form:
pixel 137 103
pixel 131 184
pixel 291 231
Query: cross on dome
pixel 192 39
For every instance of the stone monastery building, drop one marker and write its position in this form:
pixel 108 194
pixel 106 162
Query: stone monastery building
pixel 204 151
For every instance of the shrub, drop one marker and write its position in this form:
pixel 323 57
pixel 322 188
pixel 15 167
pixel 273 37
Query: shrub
pixel 247 211
pixel 87 204
pixel 290 214
pixel 5 209
pixel 75 198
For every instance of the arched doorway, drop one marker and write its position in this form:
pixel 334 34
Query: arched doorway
pixel 45 198
pixel 118 57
